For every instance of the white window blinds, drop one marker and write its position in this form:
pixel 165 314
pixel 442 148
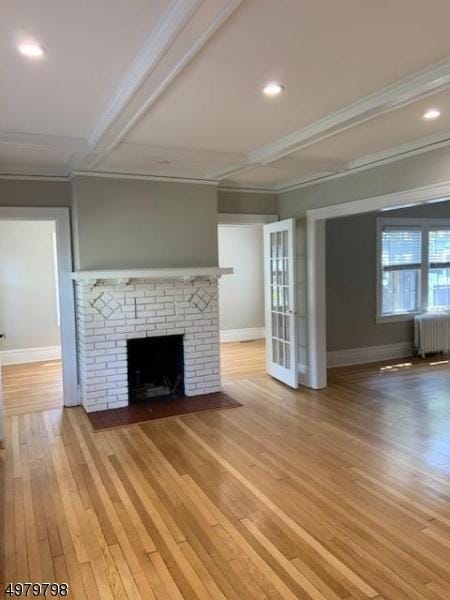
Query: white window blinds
pixel 439 248
pixel 401 248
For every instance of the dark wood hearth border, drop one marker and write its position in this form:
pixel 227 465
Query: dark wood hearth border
pixel 149 410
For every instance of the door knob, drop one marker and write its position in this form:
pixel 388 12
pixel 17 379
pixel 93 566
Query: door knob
pixel 2 335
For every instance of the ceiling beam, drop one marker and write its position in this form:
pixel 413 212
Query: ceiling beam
pixel 308 164
pixel 156 44
pixel 181 34
pixel 405 91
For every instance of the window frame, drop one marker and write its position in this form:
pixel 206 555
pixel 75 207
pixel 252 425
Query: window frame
pixel 425 225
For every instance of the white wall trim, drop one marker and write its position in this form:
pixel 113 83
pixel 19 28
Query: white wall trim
pixel 359 356
pixel 411 197
pixel 28 355
pixel 233 220
pixel 242 335
pixel 316 303
pixel 61 218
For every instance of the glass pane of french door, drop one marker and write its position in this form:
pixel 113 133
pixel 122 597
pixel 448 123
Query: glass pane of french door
pixel 279 294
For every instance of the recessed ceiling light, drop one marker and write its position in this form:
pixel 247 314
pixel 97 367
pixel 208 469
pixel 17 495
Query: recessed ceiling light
pixel 431 114
pixel 163 162
pixel 273 89
pixel 31 49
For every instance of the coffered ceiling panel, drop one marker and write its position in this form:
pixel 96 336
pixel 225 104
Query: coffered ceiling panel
pixel 149 160
pixel 269 176
pixel 173 88
pixel 89 45
pixel 388 132
pixel 327 54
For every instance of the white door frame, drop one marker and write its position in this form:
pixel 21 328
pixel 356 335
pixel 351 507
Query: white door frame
pixel 316 266
pixel 61 217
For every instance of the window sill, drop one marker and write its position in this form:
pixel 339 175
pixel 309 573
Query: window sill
pixel 396 318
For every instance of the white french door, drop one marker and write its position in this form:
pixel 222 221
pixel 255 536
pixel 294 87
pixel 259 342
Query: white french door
pixel 280 301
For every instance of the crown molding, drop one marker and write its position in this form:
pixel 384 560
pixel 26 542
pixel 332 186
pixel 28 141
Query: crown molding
pixel 368 162
pixel 436 140
pixel 244 219
pixel 409 89
pixel 37 140
pixel 363 167
pixel 246 190
pixel 150 75
pixel 117 175
pixel 11 171
pixel 20 177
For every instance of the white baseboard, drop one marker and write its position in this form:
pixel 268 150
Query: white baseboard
pixel 27 355
pixel 357 356
pixel 242 335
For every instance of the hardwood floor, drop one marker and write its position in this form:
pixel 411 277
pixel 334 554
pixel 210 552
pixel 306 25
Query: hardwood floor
pixel 32 386
pixel 338 494
pixel 38 386
pixel 240 360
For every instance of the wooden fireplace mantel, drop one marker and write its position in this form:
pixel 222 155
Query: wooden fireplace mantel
pixel 125 275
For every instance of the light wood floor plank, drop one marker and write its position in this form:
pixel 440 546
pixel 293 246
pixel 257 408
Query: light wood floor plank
pixel 333 495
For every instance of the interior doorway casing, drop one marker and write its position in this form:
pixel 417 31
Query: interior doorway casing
pixel 316 264
pixel 61 218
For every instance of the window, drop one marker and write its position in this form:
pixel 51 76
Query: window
pixel 413 266
pixel 401 259
pixel 439 269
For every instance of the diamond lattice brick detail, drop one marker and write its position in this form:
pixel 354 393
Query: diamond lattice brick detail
pixel 201 299
pixel 106 304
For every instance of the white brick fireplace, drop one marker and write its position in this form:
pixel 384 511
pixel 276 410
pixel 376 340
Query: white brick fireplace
pixel 116 306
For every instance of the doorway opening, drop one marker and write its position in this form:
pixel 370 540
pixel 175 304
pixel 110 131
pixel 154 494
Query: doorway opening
pixel 241 296
pixel 317 268
pixel 30 320
pixel 59 216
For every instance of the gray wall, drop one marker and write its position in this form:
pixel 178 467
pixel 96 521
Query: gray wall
pixel 27 285
pixel 17 192
pixel 416 171
pixel 137 224
pixel 241 295
pixel 247 203
pixel 351 280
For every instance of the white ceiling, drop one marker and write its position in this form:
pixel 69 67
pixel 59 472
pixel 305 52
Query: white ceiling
pixel 173 88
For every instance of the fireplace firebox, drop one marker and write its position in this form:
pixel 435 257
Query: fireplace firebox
pixel 155 368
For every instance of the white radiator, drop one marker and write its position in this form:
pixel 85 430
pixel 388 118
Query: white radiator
pixel 432 332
